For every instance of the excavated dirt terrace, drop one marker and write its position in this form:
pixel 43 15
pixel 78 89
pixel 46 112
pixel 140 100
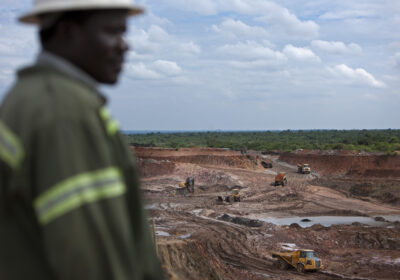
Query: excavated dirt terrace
pixel 345 210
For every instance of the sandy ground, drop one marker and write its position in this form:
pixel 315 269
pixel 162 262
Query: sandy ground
pixel 201 238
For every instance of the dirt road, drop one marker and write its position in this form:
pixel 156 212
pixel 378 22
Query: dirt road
pixel 201 238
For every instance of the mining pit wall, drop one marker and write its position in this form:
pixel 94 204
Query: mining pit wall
pixel 158 161
pixel 366 166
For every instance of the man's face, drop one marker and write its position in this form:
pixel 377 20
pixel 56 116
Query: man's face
pixel 100 46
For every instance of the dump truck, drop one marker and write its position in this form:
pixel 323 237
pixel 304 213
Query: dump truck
pixel 266 164
pixel 303 168
pixel 303 260
pixel 280 179
pixel 235 196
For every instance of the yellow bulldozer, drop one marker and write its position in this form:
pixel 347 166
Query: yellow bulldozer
pixel 303 260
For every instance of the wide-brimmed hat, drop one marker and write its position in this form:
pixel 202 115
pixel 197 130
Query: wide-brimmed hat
pixel 41 7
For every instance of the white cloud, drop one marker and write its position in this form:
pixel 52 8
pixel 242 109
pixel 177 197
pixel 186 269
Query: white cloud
pixel 336 47
pixel 346 14
pixel 134 56
pixel 147 42
pixel 156 33
pixel 354 48
pixel 357 75
pixel 238 29
pixel 139 41
pixel 156 70
pixel 140 71
pixel 147 45
pixel 300 54
pixel 6 49
pixel 268 44
pixel 283 20
pixel 256 64
pixel 190 48
pixel 269 12
pixel 251 50
pixel 204 7
pixel 154 19
pixel 168 68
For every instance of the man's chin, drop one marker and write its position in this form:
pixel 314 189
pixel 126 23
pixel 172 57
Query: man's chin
pixel 109 80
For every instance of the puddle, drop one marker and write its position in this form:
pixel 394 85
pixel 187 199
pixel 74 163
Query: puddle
pixel 391 218
pixel 151 207
pixel 395 261
pixel 328 220
pixel 162 233
pixel 197 211
pixel 185 236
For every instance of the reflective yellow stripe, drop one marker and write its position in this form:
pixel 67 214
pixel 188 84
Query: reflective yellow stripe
pixel 11 150
pixel 112 125
pixel 77 191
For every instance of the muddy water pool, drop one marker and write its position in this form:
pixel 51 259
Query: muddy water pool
pixel 308 221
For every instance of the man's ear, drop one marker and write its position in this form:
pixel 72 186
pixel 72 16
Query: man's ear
pixel 69 31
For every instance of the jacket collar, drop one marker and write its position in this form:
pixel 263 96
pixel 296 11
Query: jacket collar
pixel 63 65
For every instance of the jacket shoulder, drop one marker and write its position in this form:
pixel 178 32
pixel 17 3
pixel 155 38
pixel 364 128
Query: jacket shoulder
pixel 43 94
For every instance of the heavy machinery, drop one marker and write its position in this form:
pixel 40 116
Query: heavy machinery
pixel 303 260
pixel 266 164
pixel 280 179
pixel 235 196
pixel 304 168
pixel 188 184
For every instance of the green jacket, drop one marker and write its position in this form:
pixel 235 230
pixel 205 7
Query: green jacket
pixel 70 203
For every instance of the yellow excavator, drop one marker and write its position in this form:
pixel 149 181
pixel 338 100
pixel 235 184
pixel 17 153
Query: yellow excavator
pixel 188 184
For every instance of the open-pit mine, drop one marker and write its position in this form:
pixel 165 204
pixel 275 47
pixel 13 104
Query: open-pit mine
pixel 347 210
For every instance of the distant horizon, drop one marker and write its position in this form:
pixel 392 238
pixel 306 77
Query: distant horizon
pixel 252 130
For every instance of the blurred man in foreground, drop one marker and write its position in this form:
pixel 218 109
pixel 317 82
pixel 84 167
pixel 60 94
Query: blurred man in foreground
pixel 70 203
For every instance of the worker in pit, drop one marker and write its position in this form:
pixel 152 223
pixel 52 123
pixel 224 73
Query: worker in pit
pixel 70 203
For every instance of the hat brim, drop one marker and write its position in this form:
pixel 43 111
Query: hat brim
pixel 33 16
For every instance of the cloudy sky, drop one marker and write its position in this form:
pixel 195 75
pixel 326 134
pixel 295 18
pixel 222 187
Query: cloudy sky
pixel 245 64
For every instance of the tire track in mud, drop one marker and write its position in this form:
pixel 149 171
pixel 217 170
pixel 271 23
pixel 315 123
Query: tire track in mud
pixel 238 255
pixel 230 244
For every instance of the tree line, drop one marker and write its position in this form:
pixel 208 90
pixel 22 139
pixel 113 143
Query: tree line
pixel 385 140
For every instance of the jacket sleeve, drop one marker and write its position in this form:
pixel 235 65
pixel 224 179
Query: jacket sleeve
pixel 81 203
pixel 146 247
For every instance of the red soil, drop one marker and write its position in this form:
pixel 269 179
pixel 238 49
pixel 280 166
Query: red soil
pixel 371 166
pixel 162 160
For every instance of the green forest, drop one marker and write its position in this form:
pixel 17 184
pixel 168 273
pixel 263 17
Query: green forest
pixel 386 141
